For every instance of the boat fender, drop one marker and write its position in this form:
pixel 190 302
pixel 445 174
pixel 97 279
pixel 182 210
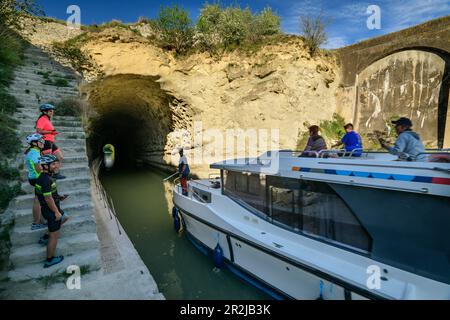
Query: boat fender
pixel 176 220
pixel 218 256
pixel 321 291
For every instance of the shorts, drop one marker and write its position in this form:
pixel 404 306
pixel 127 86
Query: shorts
pixel 49 147
pixel 32 182
pixel 49 215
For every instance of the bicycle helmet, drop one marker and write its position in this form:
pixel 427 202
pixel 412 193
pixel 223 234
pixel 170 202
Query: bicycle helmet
pixel 35 137
pixel 47 107
pixel 47 159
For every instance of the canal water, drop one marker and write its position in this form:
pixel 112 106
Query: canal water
pixel 180 270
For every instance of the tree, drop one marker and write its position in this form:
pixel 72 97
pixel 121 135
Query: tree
pixel 207 31
pixel 233 25
pixel 313 30
pixel 266 23
pixel 175 27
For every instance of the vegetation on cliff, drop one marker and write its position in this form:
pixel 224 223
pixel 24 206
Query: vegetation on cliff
pixel 11 55
pixel 218 29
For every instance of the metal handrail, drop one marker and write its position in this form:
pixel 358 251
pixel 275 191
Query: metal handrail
pixel 105 198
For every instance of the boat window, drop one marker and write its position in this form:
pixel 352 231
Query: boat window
pixel 315 209
pixel 247 189
pixel 309 207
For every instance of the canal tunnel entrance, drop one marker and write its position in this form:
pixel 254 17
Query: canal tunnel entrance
pixel 135 115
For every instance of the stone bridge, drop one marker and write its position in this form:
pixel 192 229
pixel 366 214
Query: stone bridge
pixel 406 73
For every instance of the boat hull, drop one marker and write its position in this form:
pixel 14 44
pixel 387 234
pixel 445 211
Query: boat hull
pixel 265 269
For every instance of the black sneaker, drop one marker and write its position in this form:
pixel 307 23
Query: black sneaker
pixel 59 176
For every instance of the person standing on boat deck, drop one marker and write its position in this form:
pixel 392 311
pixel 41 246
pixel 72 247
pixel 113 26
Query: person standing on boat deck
pixel 408 146
pixel 183 170
pixel 351 141
pixel 45 127
pixel 316 143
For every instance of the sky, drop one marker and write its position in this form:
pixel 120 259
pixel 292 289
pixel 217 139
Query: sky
pixel 348 18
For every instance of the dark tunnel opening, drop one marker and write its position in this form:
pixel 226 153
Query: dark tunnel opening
pixel 122 130
pixel 136 116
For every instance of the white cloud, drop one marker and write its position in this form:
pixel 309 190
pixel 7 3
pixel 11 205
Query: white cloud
pixel 336 42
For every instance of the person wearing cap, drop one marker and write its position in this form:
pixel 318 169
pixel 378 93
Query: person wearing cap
pixel 352 141
pixel 45 127
pixel 316 142
pixel 408 146
pixel 183 170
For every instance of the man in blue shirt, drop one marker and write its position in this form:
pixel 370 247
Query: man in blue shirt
pixel 351 141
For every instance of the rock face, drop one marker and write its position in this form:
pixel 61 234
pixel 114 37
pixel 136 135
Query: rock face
pixel 278 88
pixel 403 84
pixel 149 102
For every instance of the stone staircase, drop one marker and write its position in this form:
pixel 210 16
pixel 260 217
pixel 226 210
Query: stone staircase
pixel 78 242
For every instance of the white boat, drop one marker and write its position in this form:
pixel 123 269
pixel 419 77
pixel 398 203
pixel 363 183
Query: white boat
pixel 109 154
pixel 330 228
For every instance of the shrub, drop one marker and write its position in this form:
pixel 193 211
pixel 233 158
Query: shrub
pixel 9 144
pixel 7 172
pixel 70 50
pixel 8 103
pixel 233 25
pixel 208 35
pixel 11 11
pixel 7 193
pixel 68 107
pixel 175 27
pixel 57 82
pixel 313 30
pixel 267 23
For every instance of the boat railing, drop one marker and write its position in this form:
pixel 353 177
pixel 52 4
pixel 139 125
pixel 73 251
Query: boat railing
pixel 364 154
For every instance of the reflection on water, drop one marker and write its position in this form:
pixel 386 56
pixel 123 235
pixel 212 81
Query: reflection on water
pixel 180 270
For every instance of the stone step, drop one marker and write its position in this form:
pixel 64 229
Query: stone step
pixel 31 68
pixel 70 245
pixel 68 170
pixel 56 123
pixel 89 258
pixel 33 116
pixel 24 216
pixel 44 97
pixel 23 235
pixel 26 201
pixel 65 185
pixel 23 77
pixel 31 129
pixel 65 135
pixel 66 143
pixel 31 57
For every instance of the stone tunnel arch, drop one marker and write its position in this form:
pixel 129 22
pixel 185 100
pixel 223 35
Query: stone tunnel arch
pixel 134 114
pixel 413 82
pixel 432 37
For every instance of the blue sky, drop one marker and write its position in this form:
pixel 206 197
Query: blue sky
pixel 348 16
